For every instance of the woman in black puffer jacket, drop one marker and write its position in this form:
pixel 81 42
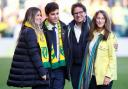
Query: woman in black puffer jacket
pixel 27 69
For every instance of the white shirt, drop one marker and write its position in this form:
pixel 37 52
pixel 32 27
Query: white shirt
pixel 92 43
pixel 77 30
pixel 50 26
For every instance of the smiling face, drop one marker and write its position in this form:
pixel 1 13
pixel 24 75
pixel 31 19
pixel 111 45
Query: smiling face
pixel 100 20
pixel 38 18
pixel 79 14
pixel 53 17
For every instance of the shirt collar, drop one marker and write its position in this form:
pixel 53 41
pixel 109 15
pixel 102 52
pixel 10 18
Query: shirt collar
pixel 50 26
pixel 77 27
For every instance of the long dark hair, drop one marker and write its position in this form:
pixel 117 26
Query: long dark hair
pixel 107 25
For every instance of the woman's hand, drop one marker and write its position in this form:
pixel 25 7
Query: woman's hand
pixel 44 77
pixel 106 80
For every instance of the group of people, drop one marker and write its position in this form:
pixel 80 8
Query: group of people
pixel 49 51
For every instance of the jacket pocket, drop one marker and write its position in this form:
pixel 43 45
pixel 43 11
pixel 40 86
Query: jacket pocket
pixel 102 50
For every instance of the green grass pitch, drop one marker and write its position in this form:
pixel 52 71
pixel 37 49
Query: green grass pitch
pixel 121 83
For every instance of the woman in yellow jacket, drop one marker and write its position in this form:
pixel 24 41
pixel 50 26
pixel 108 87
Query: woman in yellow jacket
pixel 99 67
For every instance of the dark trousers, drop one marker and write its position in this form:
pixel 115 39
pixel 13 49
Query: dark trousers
pixel 94 86
pixel 41 87
pixel 57 79
pixel 75 74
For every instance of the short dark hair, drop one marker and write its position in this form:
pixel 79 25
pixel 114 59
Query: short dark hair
pixel 77 5
pixel 52 6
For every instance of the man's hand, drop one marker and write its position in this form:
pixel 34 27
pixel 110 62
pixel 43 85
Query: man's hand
pixel 116 46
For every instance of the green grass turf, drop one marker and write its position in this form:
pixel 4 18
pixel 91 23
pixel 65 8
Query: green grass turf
pixel 121 83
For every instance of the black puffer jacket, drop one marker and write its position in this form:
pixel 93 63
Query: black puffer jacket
pixel 27 69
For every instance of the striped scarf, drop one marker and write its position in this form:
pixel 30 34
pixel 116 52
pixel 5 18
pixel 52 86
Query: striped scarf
pixel 43 47
pixel 55 63
pixel 87 66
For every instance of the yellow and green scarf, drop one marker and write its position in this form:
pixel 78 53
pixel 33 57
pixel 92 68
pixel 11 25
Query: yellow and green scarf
pixel 43 47
pixel 55 63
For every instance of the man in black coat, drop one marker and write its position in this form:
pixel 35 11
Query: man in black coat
pixel 77 40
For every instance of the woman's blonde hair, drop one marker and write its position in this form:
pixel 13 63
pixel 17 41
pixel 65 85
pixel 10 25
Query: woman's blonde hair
pixel 30 18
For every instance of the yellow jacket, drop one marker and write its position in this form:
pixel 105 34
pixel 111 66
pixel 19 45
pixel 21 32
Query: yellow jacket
pixel 105 62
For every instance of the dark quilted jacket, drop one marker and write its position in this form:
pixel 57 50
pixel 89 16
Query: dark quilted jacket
pixel 26 69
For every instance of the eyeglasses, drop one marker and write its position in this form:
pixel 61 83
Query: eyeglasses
pixel 80 12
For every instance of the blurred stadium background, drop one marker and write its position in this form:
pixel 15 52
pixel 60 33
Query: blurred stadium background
pixel 12 13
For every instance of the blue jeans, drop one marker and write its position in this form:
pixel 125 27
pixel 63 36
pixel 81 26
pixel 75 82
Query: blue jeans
pixel 57 79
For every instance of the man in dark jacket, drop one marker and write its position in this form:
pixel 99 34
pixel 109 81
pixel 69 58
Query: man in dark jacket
pixel 77 39
pixel 55 32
